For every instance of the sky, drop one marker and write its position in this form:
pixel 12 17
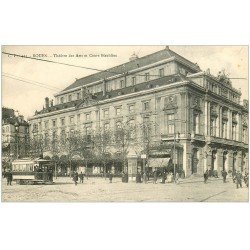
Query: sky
pixel 26 98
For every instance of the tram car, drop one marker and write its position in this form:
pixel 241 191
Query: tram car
pixel 32 171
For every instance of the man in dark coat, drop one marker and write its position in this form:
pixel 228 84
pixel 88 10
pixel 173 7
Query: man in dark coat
pixel 246 179
pixel 110 177
pixel 81 177
pixel 75 177
pixel 9 177
pixel 234 175
pixel 238 179
pixel 163 177
pixel 155 177
pixel 224 175
pixel 206 174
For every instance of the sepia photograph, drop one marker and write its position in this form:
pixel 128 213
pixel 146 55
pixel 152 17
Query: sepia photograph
pixel 125 123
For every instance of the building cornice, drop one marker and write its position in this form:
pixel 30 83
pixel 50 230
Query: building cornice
pixel 117 98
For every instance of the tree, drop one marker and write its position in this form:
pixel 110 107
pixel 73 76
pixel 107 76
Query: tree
pixel 37 146
pixel 70 145
pixel 102 144
pixel 124 137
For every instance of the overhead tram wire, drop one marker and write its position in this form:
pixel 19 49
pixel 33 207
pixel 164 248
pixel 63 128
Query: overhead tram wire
pixel 29 82
pixel 88 68
pixel 25 79
pixel 72 65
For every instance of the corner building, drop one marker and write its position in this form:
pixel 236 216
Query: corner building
pixel 199 119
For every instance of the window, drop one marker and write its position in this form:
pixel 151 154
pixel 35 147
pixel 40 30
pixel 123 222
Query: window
pixel 106 126
pixel 46 139
pixel 62 99
pixel 122 82
pixel 71 119
pixel 234 132
pixel 196 123
pixel 108 86
pixel 118 125
pixel 133 81
pixel 131 123
pixel 54 123
pixel 213 127
pixel 171 128
pixel 88 130
pixel 87 117
pixel 161 72
pixel 78 96
pixel 70 98
pixel 224 130
pixel 63 134
pixel 78 118
pixel 146 120
pixel 46 124
pixel 62 121
pixel 244 135
pixel 146 106
pixel 170 117
pixel 118 111
pixel 54 135
pixel 131 108
pixel 106 113
pixel 146 77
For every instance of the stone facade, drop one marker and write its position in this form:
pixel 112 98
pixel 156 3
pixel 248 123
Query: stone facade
pixel 197 116
pixel 15 133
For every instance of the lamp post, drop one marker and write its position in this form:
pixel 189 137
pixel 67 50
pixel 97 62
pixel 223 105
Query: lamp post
pixel 16 133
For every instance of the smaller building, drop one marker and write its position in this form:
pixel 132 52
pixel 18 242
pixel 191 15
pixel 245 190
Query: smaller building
pixel 15 132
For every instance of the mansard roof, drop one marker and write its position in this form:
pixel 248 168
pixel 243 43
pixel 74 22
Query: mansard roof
pixel 126 67
pixel 119 92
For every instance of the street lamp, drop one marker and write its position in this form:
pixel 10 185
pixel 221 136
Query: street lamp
pixel 16 130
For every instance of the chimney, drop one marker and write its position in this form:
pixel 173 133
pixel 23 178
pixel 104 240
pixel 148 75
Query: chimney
pixel 133 57
pixel 167 47
pixel 20 118
pixel 46 102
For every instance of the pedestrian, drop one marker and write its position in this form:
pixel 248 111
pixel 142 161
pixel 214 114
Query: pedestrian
pixel 246 178
pixel 75 177
pixel 81 177
pixel 110 177
pixel 238 179
pixel 163 177
pixel 138 177
pixel 145 178
pixel 224 175
pixel 206 176
pixel 155 177
pixel 234 175
pixel 177 178
pixel 9 177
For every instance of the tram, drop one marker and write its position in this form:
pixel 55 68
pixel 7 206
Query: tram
pixel 32 171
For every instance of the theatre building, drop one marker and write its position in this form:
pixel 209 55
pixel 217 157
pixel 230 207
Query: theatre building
pixel 199 121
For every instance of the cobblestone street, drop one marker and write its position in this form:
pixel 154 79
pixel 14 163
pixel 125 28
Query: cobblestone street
pixel 99 189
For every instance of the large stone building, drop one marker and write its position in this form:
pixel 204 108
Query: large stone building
pixel 15 133
pixel 199 120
